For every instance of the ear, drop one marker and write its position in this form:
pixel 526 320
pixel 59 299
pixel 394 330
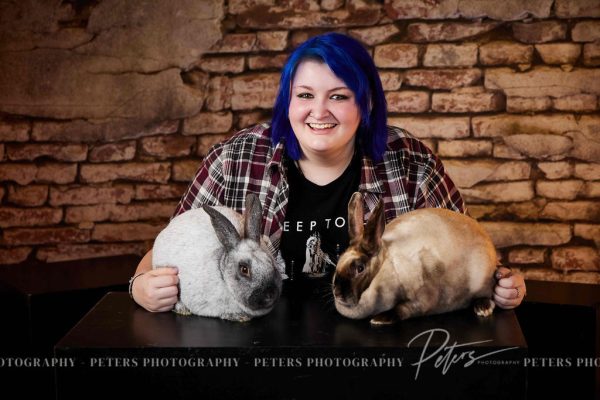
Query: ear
pixel 355 216
pixel 252 218
pixel 226 232
pixel 374 229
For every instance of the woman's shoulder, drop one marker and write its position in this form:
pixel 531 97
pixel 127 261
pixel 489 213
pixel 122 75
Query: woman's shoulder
pixel 399 139
pixel 254 140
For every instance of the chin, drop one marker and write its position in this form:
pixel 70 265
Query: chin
pixel 348 310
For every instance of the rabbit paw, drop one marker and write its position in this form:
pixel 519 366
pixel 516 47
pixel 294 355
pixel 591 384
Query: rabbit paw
pixel 484 307
pixel 181 309
pixel 385 318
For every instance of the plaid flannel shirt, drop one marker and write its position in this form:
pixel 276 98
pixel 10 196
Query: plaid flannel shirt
pixel 410 176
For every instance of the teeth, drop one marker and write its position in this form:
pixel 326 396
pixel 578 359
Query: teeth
pixel 321 126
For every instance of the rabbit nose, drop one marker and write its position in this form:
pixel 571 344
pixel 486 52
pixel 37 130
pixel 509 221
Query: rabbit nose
pixel 264 298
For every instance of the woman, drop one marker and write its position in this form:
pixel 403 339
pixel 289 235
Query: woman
pixel 328 138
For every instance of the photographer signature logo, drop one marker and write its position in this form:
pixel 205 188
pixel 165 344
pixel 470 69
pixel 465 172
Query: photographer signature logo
pixel 445 356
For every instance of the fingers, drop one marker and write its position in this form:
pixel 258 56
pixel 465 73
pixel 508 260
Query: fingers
pixel 164 278
pixel 503 272
pixel 510 291
pixel 157 289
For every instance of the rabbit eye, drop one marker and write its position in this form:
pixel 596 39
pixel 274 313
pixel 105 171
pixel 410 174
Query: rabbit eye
pixel 244 269
pixel 360 268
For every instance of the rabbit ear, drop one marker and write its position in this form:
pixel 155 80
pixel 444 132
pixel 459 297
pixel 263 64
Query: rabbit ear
pixel 252 218
pixel 374 229
pixel 355 216
pixel 226 232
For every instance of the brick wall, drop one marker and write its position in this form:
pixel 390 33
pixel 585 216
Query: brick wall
pixel 507 93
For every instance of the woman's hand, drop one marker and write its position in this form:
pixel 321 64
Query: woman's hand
pixel 510 289
pixel 156 290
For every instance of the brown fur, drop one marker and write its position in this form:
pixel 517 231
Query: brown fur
pixel 424 262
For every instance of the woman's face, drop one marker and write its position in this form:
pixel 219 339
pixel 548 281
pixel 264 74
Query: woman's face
pixel 323 111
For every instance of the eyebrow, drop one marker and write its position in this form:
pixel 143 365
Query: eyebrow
pixel 330 90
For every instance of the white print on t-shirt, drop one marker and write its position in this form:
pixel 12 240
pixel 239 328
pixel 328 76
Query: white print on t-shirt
pixel 316 259
pixel 339 222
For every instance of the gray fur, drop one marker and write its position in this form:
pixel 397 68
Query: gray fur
pixel 208 246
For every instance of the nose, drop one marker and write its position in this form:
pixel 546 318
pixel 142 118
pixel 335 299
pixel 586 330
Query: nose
pixel 319 109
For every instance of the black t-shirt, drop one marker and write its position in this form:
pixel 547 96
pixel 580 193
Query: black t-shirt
pixel 315 229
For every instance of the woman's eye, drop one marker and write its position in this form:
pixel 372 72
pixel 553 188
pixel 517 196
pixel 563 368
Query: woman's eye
pixel 339 97
pixel 304 95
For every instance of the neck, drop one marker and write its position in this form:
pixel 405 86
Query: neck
pixel 323 170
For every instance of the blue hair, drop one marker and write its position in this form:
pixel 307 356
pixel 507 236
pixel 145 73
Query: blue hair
pixel 349 61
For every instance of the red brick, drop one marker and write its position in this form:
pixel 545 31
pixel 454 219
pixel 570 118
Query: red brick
pixel 143 172
pixel 507 234
pixel 228 64
pixel 185 170
pixel 163 147
pixel 15 255
pixel 442 78
pixel 390 80
pixel 540 32
pixel 559 53
pixel 329 5
pixel 61 152
pixel 23 174
pixel 127 232
pixel 577 8
pixel 121 151
pixel 88 132
pixel 14 130
pixel 120 213
pixel 437 127
pixel 56 173
pixel 245 119
pixel 10 216
pixel 83 195
pixel 464 148
pixel 235 43
pixel 264 17
pixel 267 62
pixel 217 122
pixel 450 55
pixel 505 53
pixel 499 192
pixel 374 35
pixel 528 104
pixel 407 101
pixel 591 54
pixel 272 40
pixel 586 31
pixel 396 56
pixel 28 196
pixel 575 258
pixel 205 142
pixel 219 93
pixel 421 9
pixel 159 192
pixel 467 102
pixel 588 211
pixel 577 103
pixel 27 236
pixel 70 252
pixel 447 31
pixel 254 91
pixel 527 255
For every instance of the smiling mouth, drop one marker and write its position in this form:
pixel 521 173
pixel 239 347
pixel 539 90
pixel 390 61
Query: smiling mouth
pixel 321 126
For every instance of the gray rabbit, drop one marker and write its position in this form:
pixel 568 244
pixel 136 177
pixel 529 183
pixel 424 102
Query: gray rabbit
pixel 225 270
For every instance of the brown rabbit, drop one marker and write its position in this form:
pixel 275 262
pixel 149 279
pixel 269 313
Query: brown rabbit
pixel 427 261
